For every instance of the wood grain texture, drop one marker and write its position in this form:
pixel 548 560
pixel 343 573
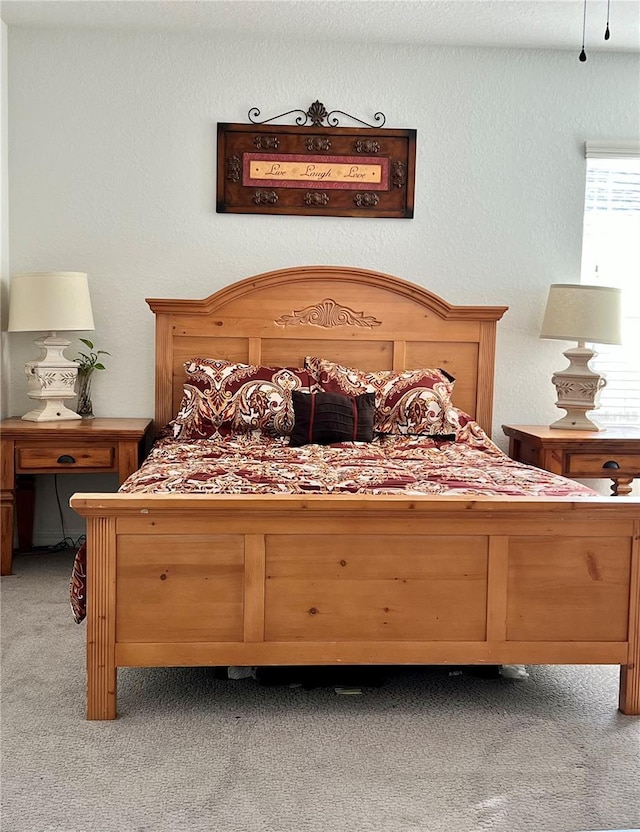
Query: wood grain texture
pixel 255 350
pixel 400 356
pixel 158 654
pixel 629 702
pixel 497 588
pixel 128 459
pixel 483 411
pixel 569 589
pixel 546 515
pixel 254 578
pixel 368 588
pixel 100 429
pixel 165 409
pixel 36 457
pixel 175 592
pixel 101 619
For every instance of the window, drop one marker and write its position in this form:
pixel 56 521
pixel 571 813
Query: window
pixel 611 257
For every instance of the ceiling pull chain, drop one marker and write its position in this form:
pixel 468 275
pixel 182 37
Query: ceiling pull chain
pixel 583 55
pixel 607 33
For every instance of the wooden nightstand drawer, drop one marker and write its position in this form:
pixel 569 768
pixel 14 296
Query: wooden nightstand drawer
pixel 57 457
pixel 580 464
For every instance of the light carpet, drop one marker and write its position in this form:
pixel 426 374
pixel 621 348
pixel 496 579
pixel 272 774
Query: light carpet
pixel 424 752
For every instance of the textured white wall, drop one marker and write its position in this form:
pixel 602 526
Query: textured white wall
pixel 112 171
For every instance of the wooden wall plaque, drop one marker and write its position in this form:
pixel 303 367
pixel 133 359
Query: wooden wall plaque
pixel 331 171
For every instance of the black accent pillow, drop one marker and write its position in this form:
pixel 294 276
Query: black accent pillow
pixel 325 418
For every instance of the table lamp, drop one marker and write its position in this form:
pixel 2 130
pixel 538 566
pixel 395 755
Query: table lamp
pixel 577 312
pixel 50 302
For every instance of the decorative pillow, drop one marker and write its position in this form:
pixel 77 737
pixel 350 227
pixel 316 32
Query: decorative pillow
pixel 221 398
pixel 324 418
pixel 407 401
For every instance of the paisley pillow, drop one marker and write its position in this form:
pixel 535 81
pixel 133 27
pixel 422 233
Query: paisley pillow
pixel 222 398
pixel 406 401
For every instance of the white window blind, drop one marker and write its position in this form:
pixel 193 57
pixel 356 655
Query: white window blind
pixel 611 257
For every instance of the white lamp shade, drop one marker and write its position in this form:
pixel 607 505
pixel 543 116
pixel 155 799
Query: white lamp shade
pixel 50 302
pixel 577 312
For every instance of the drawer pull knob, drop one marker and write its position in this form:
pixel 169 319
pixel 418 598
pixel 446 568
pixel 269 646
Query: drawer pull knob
pixel 66 459
pixel 611 464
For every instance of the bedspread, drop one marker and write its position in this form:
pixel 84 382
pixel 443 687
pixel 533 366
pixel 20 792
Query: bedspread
pixel 389 465
pixel 411 465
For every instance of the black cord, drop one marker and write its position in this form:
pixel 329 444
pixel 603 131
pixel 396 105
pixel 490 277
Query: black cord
pixel 55 485
pixel 583 55
pixel 607 33
pixel 66 542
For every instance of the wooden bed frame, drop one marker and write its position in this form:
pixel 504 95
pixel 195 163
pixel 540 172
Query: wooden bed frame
pixel 182 580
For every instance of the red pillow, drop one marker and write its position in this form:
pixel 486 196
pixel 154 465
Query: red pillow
pixel 407 401
pixel 221 398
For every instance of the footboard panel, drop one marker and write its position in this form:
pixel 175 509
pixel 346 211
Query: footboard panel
pixel 568 589
pixel 384 587
pixel 280 580
pixel 179 588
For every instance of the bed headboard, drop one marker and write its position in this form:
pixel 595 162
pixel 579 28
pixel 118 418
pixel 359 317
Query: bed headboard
pixel 358 317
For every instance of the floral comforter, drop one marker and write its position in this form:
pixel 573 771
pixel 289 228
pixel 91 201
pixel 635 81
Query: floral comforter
pixel 411 465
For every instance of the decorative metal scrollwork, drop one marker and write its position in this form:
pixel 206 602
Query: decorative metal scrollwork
pixel 265 197
pixel 366 200
pixel 316 198
pixel 399 174
pixel 266 142
pixel 316 115
pixel 317 112
pixel 318 143
pixel 234 166
pixel 366 146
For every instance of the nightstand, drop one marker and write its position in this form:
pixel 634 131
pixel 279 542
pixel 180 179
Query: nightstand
pixel 83 446
pixel 612 454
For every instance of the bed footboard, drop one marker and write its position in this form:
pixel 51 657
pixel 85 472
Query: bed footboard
pixel 176 580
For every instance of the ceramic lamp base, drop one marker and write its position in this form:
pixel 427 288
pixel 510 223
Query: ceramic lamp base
pixel 51 381
pixel 52 410
pixel 575 420
pixel 577 387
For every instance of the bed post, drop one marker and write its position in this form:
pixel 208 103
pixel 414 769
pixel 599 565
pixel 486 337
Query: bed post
pixel 101 620
pixel 164 411
pixel 630 673
pixel 486 363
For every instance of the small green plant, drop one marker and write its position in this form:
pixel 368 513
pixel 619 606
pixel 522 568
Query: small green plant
pixel 88 362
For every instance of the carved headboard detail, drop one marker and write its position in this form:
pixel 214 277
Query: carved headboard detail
pixel 328 313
